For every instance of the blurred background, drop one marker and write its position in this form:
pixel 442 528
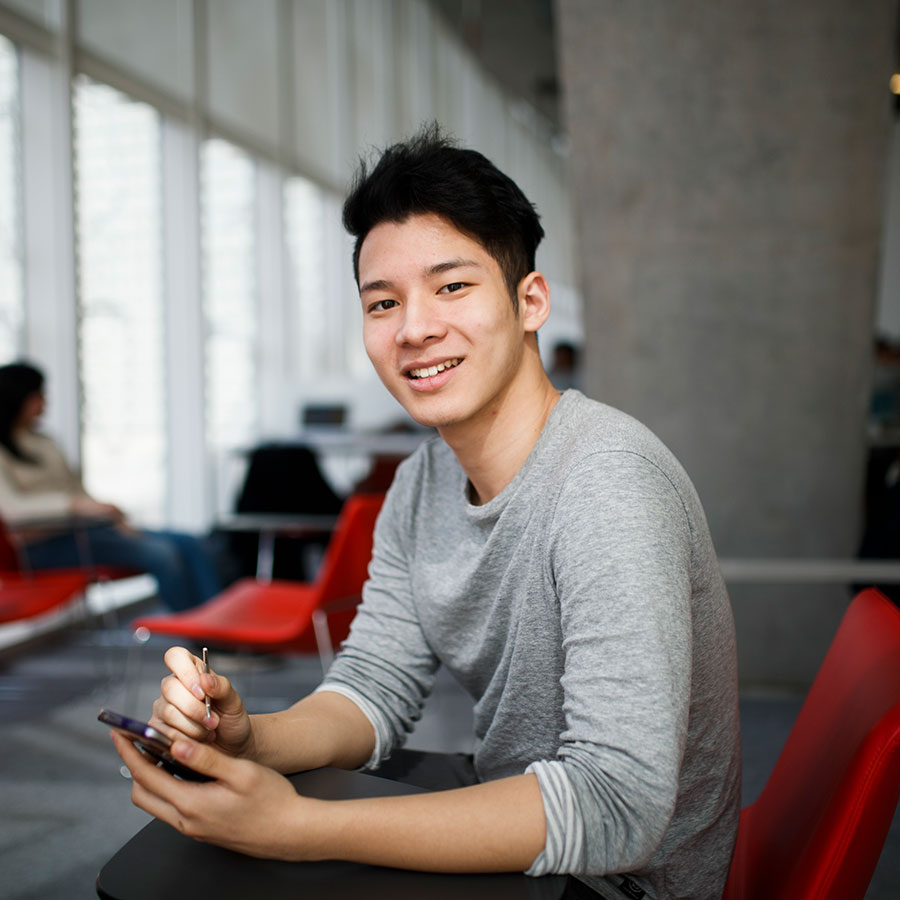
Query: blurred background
pixel 719 183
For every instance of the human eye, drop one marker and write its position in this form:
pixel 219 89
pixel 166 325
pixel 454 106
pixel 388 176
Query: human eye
pixel 453 287
pixel 382 305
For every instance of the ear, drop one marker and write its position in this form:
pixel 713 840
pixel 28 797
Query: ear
pixel 534 301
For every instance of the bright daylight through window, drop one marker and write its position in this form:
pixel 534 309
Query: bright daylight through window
pixel 228 203
pixel 118 183
pixel 305 229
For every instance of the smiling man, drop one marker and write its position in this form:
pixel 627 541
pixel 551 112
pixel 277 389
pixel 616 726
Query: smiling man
pixel 453 345
pixel 547 549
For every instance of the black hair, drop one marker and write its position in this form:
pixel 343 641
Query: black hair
pixel 18 381
pixel 429 174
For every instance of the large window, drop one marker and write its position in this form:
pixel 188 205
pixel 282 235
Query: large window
pixel 305 231
pixel 324 303
pixel 118 182
pixel 11 295
pixel 228 219
pixel 205 293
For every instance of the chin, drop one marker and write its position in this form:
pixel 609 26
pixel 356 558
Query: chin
pixel 427 420
pixel 433 415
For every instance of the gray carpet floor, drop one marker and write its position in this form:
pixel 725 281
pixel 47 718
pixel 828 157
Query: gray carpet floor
pixel 65 807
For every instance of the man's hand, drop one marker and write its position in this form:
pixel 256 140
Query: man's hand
pixel 247 807
pixel 180 709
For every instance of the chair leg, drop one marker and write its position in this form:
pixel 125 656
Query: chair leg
pixel 101 622
pixel 265 557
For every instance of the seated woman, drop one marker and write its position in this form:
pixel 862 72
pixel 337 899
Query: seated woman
pixel 38 488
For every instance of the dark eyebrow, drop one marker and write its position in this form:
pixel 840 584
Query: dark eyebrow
pixel 382 284
pixel 450 264
pixel 379 285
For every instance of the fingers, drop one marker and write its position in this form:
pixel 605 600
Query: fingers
pixel 153 789
pixel 202 758
pixel 182 702
pixel 206 760
pixel 226 700
pixel 181 707
pixel 142 768
pixel 188 669
pixel 181 714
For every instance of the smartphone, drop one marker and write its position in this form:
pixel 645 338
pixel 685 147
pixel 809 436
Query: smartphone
pixel 151 742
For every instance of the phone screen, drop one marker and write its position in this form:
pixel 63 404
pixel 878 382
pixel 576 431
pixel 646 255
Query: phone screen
pixel 151 742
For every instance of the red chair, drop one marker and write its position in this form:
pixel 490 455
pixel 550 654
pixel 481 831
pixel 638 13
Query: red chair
pixel 287 616
pixel 9 552
pixel 27 597
pixel 818 827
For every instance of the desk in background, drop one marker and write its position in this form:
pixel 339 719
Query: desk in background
pixel 268 526
pixel 158 862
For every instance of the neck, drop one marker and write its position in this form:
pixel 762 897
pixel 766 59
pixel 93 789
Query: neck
pixel 492 449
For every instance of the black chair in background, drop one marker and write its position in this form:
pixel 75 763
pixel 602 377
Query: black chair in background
pixel 282 480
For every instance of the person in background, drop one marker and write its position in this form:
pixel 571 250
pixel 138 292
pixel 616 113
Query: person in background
pixel 564 369
pixel 41 497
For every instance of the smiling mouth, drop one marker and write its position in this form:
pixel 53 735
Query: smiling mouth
pixel 431 371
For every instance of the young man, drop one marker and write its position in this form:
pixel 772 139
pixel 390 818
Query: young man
pixel 547 549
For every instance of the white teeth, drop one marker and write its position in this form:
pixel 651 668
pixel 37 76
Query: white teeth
pixel 431 371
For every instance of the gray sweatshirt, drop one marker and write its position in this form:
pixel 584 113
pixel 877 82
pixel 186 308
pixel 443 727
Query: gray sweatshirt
pixel 584 611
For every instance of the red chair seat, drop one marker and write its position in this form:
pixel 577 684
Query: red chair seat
pixel 25 598
pixel 279 615
pixel 247 615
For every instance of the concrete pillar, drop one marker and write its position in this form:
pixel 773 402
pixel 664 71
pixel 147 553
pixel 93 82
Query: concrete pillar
pixel 728 160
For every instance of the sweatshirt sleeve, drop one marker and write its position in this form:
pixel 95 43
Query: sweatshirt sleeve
pixel 386 665
pixel 20 509
pixel 53 484
pixel 620 553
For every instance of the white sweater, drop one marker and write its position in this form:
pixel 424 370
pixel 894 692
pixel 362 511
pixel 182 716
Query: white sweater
pixel 40 491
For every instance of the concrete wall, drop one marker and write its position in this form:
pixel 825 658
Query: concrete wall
pixel 729 166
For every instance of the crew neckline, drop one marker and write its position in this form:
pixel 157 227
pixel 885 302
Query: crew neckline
pixel 497 504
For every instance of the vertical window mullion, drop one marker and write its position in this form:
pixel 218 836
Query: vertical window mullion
pixel 305 245
pixel 190 502
pixel 12 302
pixel 275 400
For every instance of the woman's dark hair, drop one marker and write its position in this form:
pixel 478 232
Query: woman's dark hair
pixel 18 381
pixel 428 174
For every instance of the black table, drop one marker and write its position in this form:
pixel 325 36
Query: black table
pixel 159 862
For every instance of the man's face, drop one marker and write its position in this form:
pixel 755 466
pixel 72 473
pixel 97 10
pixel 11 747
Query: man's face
pixel 438 321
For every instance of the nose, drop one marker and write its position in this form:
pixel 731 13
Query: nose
pixel 421 323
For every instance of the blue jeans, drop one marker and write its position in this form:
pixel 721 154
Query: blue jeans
pixel 181 563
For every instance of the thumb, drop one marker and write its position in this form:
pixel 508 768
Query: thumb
pixel 219 688
pixel 203 758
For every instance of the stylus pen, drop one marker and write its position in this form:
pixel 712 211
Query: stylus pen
pixel 206 669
